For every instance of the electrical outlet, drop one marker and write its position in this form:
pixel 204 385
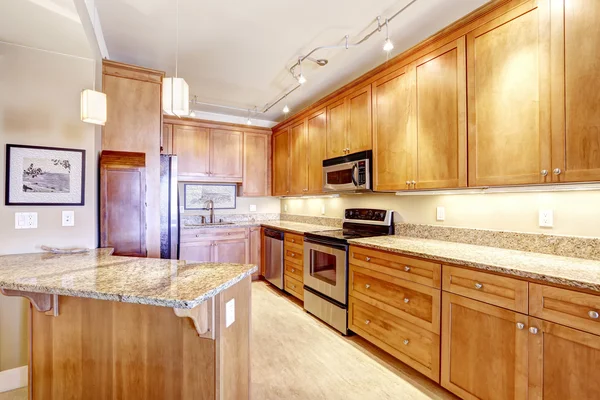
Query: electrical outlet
pixel 323 209
pixel 68 218
pixel 252 207
pixel 285 208
pixel 26 220
pixel 440 213
pixel 229 313
pixel 546 218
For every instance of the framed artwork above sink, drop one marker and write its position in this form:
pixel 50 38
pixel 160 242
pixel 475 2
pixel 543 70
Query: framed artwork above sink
pixel 196 195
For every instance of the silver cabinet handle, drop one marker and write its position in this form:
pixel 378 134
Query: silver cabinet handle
pixel 544 172
pixel 533 330
pixel 406 342
pixel 367 286
pixel 293 286
pixel 293 269
pixel 407 183
pixel 406 299
pixel 407 268
pixel 520 325
pixel 478 285
pixel 367 322
pixel 557 171
pixel 293 254
pixel 368 259
pixel 593 314
pixel 413 182
pixel 293 240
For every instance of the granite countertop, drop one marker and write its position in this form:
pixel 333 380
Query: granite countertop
pixel 295 227
pixel 575 272
pixel 99 275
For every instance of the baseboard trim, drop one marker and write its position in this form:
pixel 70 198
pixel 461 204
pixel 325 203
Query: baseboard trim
pixel 12 379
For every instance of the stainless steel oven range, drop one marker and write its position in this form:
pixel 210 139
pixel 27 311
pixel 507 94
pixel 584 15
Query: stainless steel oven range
pixel 326 263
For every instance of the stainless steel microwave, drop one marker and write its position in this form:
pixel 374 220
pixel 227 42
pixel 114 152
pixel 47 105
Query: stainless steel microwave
pixel 351 173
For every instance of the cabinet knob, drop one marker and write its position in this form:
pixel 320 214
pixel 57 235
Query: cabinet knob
pixel 367 322
pixel 407 183
pixel 293 240
pixel 406 299
pixel 593 314
pixel 406 268
pixel 533 330
pixel 413 183
pixel 368 259
pixel 367 286
pixel 478 285
pixel 557 171
pixel 293 269
pixel 520 325
pixel 544 172
pixel 406 342
pixel 293 255
pixel 293 286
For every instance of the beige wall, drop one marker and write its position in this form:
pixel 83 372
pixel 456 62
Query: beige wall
pixel 39 105
pixel 575 213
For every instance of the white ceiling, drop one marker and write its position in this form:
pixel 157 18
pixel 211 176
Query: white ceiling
pixel 52 25
pixel 237 52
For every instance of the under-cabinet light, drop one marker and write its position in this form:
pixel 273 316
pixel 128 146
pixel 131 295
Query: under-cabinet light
pixel 565 187
pixel 322 196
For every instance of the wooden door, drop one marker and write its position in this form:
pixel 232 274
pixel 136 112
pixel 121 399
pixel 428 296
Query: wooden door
pixel 281 151
pixel 575 90
pixel 191 146
pixel 256 165
pixel 255 250
pixel 563 362
pixel 231 251
pixel 298 159
pixel 441 129
pixel 166 139
pixel 359 134
pixel 484 351
pixel 201 251
pixel 508 98
pixel 336 129
pixel 316 131
pixel 226 154
pixel 392 127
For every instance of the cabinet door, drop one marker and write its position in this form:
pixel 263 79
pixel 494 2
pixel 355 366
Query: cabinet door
pixel 563 362
pixel 336 129
pixel 508 98
pixel 316 128
pixel 166 139
pixel 484 351
pixel 196 252
pixel 575 90
pixel 255 249
pixel 281 151
pixel 441 128
pixel 256 165
pixel 392 138
pixel 231 251
pixel 190 144
pixel 226 154
pixel 298 159
pixel 359 135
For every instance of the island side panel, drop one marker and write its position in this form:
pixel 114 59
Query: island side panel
pixel 99 349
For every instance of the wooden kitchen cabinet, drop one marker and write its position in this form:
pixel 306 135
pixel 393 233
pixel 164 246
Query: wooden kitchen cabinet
pixel 484 350
pixel 392 126
pixel 509 97
pixel 255 250
pixel 215 245
pixel 166 139
pixel 226 150
pixel 281 152
pixel 200 251
pixel 298 162
pixel 336 129
pixel 316 131
pixel 257 157
pixel 575 90
pixel 191 145
pixel 231 251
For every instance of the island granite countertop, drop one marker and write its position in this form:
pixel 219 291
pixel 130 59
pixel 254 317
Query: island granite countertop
pixel 568 271
pixel 100 275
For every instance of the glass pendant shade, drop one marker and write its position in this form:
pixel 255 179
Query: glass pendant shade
pixel 93 107
pixel 176 97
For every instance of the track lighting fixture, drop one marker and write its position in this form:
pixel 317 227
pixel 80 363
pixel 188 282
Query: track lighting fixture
pixel 192 113
pixel 387 45
pixel 286 109
pixel 301 78
pixel 249 122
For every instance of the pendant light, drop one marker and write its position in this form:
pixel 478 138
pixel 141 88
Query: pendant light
pixel 387 45
pixel 93 103
pixel 301 78
pixel 286 109
pixel 176 92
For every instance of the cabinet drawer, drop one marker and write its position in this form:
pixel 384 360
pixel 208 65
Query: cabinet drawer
pixel 293 287
pixel 293 255
pixel 293 241
pixel 412 345
pixel 566 307
pixel 493 289
pixel 411 269
pixel 294 271
pixel 198 235
pixel 416 303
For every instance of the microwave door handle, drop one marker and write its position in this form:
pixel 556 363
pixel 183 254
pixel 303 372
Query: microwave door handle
pixel 354 169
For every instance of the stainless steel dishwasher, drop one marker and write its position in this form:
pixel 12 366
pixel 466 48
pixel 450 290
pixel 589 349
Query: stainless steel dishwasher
pixel 274 257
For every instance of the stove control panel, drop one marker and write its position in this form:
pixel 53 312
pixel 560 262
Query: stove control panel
pixel 366 214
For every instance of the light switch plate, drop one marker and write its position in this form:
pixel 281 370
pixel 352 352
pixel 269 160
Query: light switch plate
pixel 229 313
pixel 252 207
pixel 68 218
pixel 26 220
pixel 546 218
pixel 440 214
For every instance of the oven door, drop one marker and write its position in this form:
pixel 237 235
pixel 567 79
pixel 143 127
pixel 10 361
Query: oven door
pixel 341 177
pixel 325 269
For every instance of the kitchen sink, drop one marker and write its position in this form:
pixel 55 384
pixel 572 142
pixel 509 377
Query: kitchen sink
pixel 210 223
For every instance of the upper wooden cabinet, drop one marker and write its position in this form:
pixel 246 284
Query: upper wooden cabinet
pixel 257 158
pixel 281 151
pixel 392 139
pixel 575 55
pixel 191 145
pixel 316 128
pixel 336 129
pixel 298 164
pixel 509 107
pixel 166 139
pixel 226 148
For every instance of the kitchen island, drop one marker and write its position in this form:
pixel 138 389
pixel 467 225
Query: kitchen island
pixel 104 327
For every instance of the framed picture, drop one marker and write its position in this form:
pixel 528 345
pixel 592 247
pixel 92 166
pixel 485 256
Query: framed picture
pixel 195 195
pixel 44 176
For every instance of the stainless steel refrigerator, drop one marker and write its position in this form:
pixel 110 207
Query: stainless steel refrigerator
pixel 169 208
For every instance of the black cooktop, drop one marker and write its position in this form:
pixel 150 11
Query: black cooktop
pixel 346 234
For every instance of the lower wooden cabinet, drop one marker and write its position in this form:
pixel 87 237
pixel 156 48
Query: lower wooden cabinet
pixel 255 250
pixel 293 287
pixel 294 265
pixel 215 245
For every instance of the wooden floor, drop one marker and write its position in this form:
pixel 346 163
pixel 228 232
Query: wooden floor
pixel 297 357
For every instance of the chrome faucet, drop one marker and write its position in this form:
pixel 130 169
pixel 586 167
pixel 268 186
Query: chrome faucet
pixel 210 205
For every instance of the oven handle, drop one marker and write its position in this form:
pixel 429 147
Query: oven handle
pixel 337 246
pixel 354 169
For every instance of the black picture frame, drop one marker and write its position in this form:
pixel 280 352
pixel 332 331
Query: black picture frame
pixel 11 148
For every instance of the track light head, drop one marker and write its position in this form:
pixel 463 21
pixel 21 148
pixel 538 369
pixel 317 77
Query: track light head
pixel 286 109
pixel 388 45
pixel 249 122
pixel 301 79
